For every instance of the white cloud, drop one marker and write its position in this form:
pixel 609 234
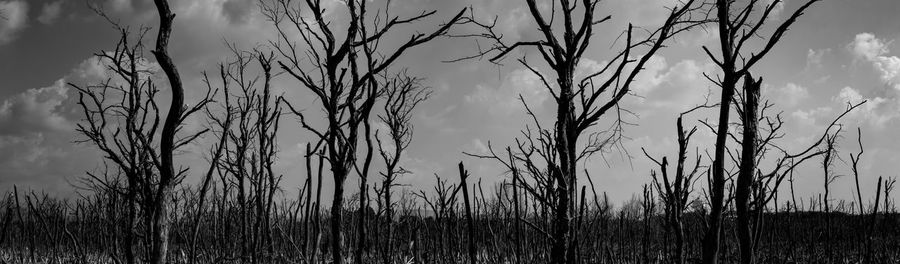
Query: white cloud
pixel 50 12
pixel 867 46
pixel 680 86
pixel 34 110
pixel 877 111
pixel 14 19
pixel 874 50
pixel 814 58
pixel 809 118
pixel 889 68
pixel 648 79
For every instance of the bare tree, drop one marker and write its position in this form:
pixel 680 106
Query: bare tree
pixel 402 94
pixel 123 121
pixel 736 26
pixel 343 79
pixel 247 146
pixel 562 46
pixel 675 192
pixel 854 160
pixel 168 176
pixel 755 188
pixel 108 107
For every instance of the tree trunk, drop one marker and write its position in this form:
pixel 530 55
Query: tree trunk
pixel 679 240
pixel 389 215
pixel 470 223
pixel 340 174
pixel 159 240
pixel 747 169
pixel 159 214
pixel 565 174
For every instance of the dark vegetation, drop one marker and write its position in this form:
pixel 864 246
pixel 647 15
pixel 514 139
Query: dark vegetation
pixel 137 209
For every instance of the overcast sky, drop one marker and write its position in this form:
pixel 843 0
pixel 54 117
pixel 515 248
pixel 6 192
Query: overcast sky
pixel 840 51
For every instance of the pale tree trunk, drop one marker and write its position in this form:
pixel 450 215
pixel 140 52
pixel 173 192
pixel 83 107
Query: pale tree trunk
pixel 159 239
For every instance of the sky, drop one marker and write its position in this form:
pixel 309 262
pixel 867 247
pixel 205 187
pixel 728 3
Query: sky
pixel 840 51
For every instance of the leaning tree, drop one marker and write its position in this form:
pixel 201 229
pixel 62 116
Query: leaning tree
pixel 124 121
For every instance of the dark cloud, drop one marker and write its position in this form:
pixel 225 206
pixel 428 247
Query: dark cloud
pixel 239 11
pixel 35 110
pixel 37 134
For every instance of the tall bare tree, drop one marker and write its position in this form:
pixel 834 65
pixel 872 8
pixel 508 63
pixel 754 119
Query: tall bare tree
pixel 756 187
pixel 342 76
pixel 248 131
pixel 675 192
pixel 738 23
pixel 122 118
pixel 562 45
pixel 402 94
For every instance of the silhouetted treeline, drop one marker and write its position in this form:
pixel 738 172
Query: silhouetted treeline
pixel 47 230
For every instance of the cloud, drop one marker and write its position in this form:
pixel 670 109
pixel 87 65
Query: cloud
pixel 788 96
pixel 37 128
pixel 50 109
pixel 866 46
pixel 14 19
pixel 811 117
pixel 122 6
pixel 651 76
pixel 50 12
pixel 439 119
pixel 877 111
pixel 645 82
pixel 504 100
pixel 644 13
pixel 679 87
pixel 814 58
pixel 238 11
pixel 34 110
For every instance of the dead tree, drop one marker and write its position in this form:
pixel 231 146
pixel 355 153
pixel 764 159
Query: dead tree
pixel 873 222
pixel 562 45
pixel 888 187
pixel 470 222
pixel 854 161
pixel 342 76
pixel 748 163
pixel 247 145
pixel 123 120
pixel 220 127
pixel 755 188
pixel 736 26
pixel 827 167
pixel 674 192
pixel 401 95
